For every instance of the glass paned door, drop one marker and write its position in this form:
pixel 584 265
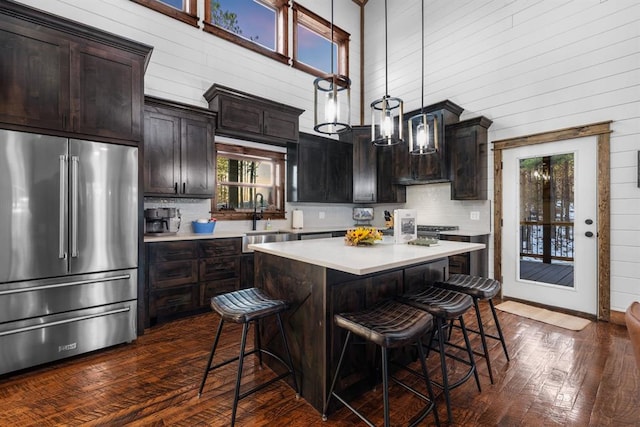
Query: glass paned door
pixel 547 213
pixel 549 251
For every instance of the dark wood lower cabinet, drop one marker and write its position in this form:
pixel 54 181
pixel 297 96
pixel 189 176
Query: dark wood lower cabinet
pixel 183 276
pixel 474 263
pixel 317 293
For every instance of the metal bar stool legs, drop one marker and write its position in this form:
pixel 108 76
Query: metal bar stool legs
pixel 479 288
pixel 247 306
pixel 389 324
pixel 444 306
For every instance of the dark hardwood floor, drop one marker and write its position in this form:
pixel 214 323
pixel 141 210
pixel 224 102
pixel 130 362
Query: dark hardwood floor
pixel 555 377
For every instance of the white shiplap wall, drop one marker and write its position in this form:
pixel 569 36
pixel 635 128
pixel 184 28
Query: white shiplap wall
pixel 530 66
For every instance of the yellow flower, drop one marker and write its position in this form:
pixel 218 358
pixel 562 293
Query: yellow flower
pixel 362 236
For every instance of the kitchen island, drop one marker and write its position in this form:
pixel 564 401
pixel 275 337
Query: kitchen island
pixel 324 277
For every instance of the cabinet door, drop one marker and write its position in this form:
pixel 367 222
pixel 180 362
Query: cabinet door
pixel 197 170
pixel 34 76
pixel 364 166
pixel 386 166
pixel 312 170
pixel 239 116
pixel 161 153
pixel 339 172
pixel 106 92
pixel 281 125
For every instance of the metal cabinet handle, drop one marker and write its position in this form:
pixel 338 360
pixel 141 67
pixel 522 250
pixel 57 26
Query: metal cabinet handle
pixel 175 188
pixel 588 234
pixel 184 187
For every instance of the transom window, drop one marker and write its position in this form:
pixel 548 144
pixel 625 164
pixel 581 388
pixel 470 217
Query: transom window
pixel 312 44
pixel 259 25
pixel 248 179
pixel 183 10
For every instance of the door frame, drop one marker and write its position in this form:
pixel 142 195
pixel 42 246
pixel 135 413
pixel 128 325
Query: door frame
pixel 601 130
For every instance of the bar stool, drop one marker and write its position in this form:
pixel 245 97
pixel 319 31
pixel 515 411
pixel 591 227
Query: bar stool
pixel 389 324
pixel 479 288
pixel 246 306
pixel 445 305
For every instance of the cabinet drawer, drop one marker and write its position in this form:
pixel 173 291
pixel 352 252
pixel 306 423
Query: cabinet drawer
pixel 455 238
pixel 172 273
pixel 210 289
pixel 219 268
pixel 172 301
pixel 220 248
pixel 172 251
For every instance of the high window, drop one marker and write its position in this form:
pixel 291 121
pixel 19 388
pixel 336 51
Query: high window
pixel 183 10
pixel 312 49
pixel 259 25
pixel 248 179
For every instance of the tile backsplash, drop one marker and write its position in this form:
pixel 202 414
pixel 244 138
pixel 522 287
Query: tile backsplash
pixel 432 201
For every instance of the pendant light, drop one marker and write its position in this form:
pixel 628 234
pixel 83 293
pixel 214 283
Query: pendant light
pixel 423 135
pixel 386 112
pixel 332 99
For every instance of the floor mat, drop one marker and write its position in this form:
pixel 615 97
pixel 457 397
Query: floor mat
pixel 543 315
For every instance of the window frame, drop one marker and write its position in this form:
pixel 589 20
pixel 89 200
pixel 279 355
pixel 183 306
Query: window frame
pixel 322 27
pixel 189 16
pixel 282 32
pixel 240 150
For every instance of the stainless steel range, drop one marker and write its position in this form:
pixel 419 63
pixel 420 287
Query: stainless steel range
pixel 433 231
pixel 68 247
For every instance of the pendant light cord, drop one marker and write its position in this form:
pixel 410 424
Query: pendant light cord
pixel 422 108
pixel 386 65
pixel 331 41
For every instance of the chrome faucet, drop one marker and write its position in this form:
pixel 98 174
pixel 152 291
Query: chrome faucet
pixel 256 215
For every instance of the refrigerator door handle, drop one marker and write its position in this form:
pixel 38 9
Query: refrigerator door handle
pixel 62 253
pixel 74 206
pixel 65 284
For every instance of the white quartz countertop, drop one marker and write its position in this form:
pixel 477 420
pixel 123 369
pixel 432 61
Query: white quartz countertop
pixel 335 254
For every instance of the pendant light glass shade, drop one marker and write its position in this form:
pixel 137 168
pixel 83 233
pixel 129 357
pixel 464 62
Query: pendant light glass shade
pixel 386 121
pixel 332 99
pixel 386 112
pixel 423 134
pixel 332 104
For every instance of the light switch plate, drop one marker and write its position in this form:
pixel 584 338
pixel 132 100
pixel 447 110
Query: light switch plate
pixel 475 215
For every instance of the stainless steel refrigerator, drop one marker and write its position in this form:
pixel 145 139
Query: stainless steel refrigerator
pixel 68 247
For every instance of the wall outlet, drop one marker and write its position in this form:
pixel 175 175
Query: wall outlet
pixel 475 215
pixel 321 215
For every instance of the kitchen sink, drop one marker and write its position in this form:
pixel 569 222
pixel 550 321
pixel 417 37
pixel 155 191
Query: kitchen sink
pixel 265 237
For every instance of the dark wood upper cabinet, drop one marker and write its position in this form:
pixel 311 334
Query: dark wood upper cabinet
pixel 253 118
pixel 468 158
pixel 374 169
pixel 431 168
pixel 67 78
pixel 319 169
pixel 178 150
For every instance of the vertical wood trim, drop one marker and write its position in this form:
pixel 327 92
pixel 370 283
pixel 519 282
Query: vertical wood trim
pixel 604 227
pixel 497 215
pixel 602 130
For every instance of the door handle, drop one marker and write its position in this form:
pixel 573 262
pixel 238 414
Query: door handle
pixel 588 234
pixel 74 205
pixel 62 253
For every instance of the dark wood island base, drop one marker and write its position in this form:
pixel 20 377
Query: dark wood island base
pixel 316 293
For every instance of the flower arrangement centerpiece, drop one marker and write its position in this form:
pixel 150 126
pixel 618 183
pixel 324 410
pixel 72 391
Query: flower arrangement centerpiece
pixel 362 236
